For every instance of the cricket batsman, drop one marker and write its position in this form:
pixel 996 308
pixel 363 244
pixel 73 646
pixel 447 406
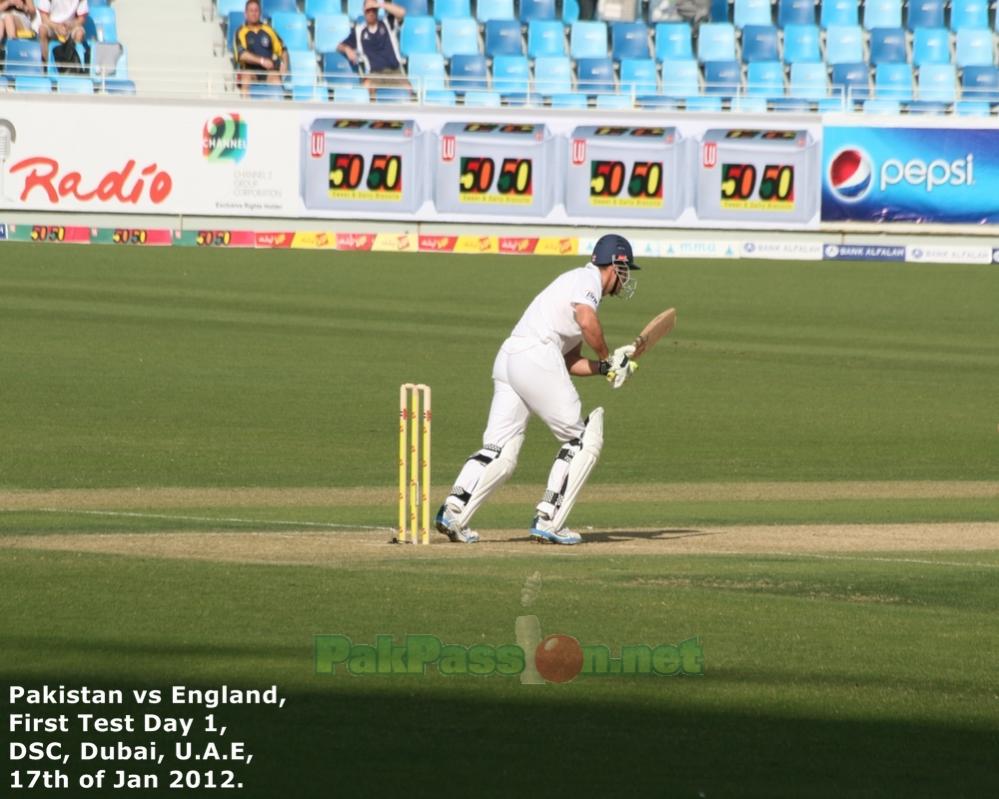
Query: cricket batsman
pixel 531 375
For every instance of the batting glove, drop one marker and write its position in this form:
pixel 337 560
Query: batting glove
pixel 621 366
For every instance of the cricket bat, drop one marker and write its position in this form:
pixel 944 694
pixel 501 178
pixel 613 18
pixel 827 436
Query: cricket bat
pixel 654 331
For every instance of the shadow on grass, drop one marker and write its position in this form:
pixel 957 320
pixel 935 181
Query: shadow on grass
pixel 347 736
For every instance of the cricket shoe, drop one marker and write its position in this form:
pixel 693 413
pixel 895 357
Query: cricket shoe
pixel 446 524
pixel 542 533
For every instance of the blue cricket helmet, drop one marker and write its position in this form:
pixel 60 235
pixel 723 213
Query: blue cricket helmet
pixel 613 249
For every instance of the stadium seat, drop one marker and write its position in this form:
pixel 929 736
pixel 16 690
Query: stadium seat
pixel 293 28
pixel 711 103
pixel 234 20
pixel 924 14
pixel 351 94
pixel 552 75
pixel 722 78
pixel 969 14
pixel 52 66
pixel 127 87
pixel 980 84
pixel 70 84
pixel 808 81
pixel 338 71
pixel 330 30
pixel 974 48
pixel 882 14
pixel 459 36
pixel 639 76
pixel 24 57
pixel 893 82
pixel 588 39
pixel 545 37
pixel 844 44
pixel 320 8
pixel 392 94
pixel 795 12
pixel 882 106
pixel 937 83
pixel 751 12
pixel 102 24
pixel 260 91
pixel 930 46
pixel 749 105
pixel 426 72
pixel 486 10
pixel 629 40
pixel 718 11
pixel 511 77
pixel 673 41
pixel 887 44
pixel 469 73
pixel 503 38
pixel 101 69
pixel 310 94
pixel 681 78
pixel 657 102
pixel 972 108
pixel 838 12
pixel 440 97
pixel 303 69
pixel 801 44
pixel 355 10
pixel 716 42
pixel 32 84
pixel 536 9
pixel 596 75
pixel 765 79
pixel 570 11
pixel 568 100
pixel 451 8
pixel 418 35
pixel 852 81
pixel 486 99
pixel 268 8
pixel 760 43
pixel 417 7
pixel 613 102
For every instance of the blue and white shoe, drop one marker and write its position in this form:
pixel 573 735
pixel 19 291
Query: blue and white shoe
pixel 447 525
pixel 542 534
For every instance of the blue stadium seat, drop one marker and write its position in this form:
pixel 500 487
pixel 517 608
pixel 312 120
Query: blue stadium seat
pixel 451 8
pixel 639 76
pixel 749 105
pixel 887 44
pixel 511 77
pixel 881 105
pixel 570 11
pixel 704 103
pixel 760 43
pixel 568 100
pixel 838 12
pixel 924 14
pixel 469 73
pixel 852 81
pixel 722 78
pixel 426 72
pixel 629 40
pixel 338 71
pixel 503 38
pixel 486 10
pixel 673 41
pixel 32 84
pixel 393 94
pixel 264 91
pixel 318 8
pixel 795 12
pixel 52 67
pixel 596 75
pixel 440 97
pixel 330 30
pixel 681 78
pixel 71 84
pixel 937 83
pixel 716 42
pixel 234 20
pixel 969 14
pixel 751 12
pixel 293 28
pixel 102 24
pixel 536 9
pixel 270 7
pixel 355 10
pixel 552 75
pixel 974 48
pixel 718 11
pixel 545 37
pixel 882 14
pixel 980 84
pixel 613 102
pixel 227 7
pixel 893 82
pixel 459 36
pixel 303 69
pixel 765 79
pixel 808 81
pixel 418 35
pixel 972 108
pixel 24 57
pixel 930 46
pixel 588 39
pixel 310 94
pixel 485 99
pixel 801 44
pixel 126 86
pixel 418 7
pixel 351 94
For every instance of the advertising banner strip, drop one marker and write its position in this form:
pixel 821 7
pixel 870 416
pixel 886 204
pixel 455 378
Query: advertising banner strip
pixel 56 233
pixel 864 252
pixel 157 237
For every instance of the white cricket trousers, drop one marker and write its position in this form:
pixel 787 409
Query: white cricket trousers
pixel 531 377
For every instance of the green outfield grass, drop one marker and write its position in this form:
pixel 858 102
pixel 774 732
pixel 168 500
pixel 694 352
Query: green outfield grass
pixel 864 673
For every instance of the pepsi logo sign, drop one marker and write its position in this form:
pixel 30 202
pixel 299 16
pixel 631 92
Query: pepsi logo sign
pixel 850 174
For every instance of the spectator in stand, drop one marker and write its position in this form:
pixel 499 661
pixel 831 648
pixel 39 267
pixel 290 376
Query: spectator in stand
pixel 372 45
pixel 61 20
pixel 18 19
pixel 260 53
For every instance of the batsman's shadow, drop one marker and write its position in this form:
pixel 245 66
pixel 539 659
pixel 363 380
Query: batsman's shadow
pixel 612 536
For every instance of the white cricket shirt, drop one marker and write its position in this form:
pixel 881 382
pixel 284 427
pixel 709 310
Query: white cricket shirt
pixel 550 317
pixel 63 10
